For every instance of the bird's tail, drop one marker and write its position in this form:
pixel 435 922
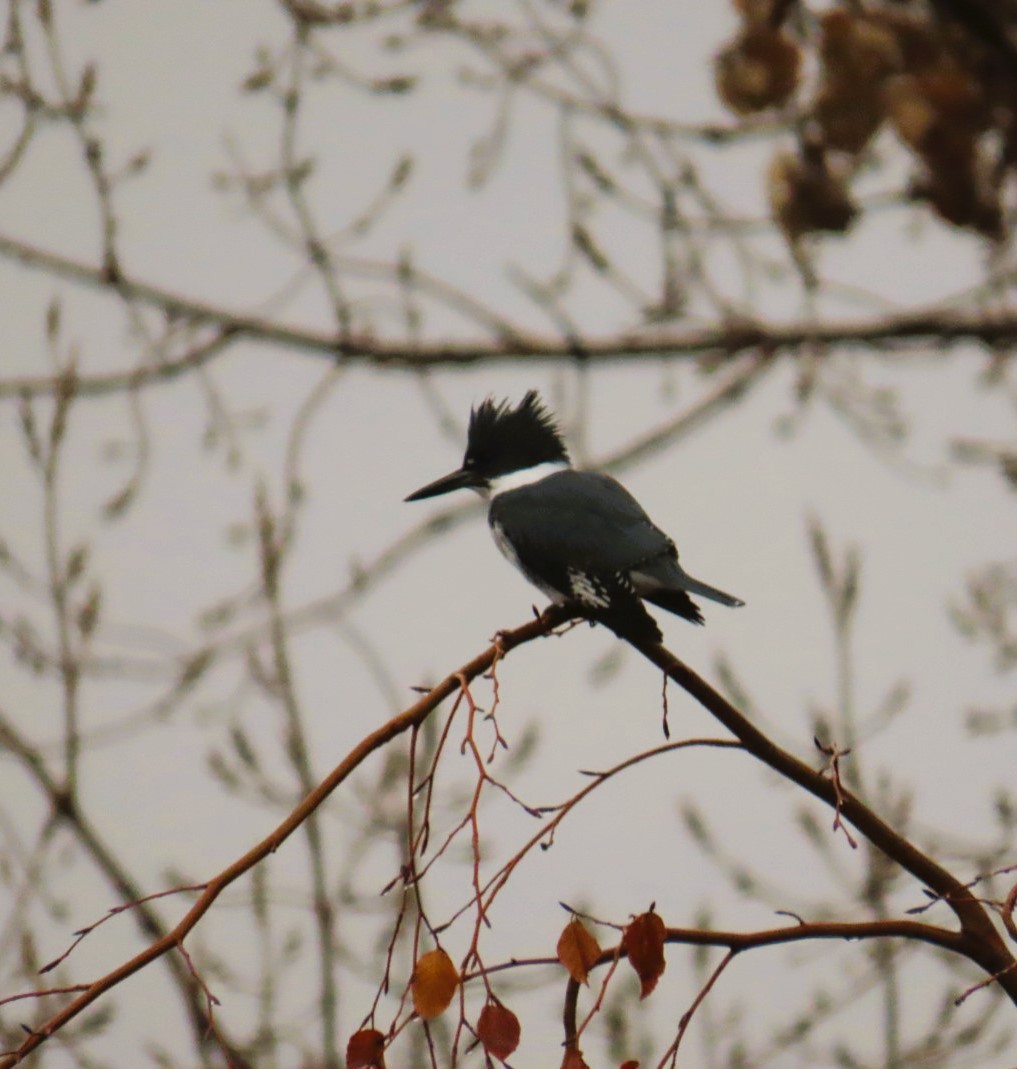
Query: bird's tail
pixel 669 586
pixel 704 590
pixel 676 601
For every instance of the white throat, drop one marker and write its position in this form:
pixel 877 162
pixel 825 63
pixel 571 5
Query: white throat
pixel 513 480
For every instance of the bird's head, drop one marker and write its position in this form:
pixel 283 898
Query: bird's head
pixel 501 441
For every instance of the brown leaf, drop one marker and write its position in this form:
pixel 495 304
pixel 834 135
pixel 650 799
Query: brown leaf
pixel 577 950
pixel 630 1064
pixel 434 983
pixel 643 941
pixel 366 1050
pixel 498 1029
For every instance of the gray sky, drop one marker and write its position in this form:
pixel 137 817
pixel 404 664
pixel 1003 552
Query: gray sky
pixel 736 496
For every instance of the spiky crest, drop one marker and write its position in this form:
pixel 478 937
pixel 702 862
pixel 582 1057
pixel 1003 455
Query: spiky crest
pixel 502 438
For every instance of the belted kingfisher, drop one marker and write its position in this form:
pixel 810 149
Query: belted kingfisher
pixel 578 536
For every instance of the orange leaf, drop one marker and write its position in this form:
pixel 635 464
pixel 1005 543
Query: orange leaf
pixel 498 1029
pixel 434 983
pixel 366 1050
pixel 577 950
pixel 643 941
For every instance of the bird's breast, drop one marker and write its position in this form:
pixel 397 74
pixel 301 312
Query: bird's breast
pixel 509 552
pixel 504 543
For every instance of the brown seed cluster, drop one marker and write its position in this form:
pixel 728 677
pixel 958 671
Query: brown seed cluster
pixel 939 78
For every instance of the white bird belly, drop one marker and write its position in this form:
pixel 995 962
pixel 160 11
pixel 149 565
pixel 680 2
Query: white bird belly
pixel 508 551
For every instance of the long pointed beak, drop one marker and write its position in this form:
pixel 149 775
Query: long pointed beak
pixel 456 480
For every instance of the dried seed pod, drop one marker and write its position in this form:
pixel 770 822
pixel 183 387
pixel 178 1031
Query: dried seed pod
pixel 807 197
pixel 758 70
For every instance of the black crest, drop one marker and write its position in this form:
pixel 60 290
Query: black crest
pixel 502 438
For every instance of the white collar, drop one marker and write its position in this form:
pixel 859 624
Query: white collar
pixel 513 480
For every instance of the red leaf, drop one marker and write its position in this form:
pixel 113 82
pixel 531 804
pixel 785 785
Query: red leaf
pixel 643 941
pixel 498 1029
pixel 366 1050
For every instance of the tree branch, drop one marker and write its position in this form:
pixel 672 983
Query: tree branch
pixel 978 938
pixel 414 715
pixel 934 329
pixel 146 917
pixel 736 942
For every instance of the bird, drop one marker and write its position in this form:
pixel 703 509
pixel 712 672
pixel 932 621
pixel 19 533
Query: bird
pixel 578 536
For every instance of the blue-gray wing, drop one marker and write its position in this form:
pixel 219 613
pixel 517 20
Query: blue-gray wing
pixel 581 519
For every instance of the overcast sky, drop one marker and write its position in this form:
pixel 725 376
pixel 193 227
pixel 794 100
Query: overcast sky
pixel 736 496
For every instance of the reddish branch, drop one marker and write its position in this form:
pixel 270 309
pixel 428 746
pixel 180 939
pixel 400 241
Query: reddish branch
pixel 977 938
pixel 377 740
pixel 149 923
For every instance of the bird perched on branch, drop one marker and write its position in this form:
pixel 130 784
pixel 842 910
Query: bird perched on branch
pixel 579 536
